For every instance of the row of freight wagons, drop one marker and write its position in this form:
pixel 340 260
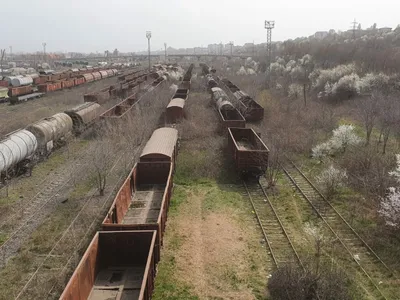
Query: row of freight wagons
pixel 175 108
pixel 120 262
pixel 37 139
pixel 50 86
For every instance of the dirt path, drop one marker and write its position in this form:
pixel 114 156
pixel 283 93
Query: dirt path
pixel 214 247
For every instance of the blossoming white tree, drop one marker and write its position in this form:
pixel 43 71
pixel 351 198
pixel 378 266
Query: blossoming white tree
pixel 330 180
pixel 343 137
pixel 390 204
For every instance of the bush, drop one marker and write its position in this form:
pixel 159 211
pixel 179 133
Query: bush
pixel 292 282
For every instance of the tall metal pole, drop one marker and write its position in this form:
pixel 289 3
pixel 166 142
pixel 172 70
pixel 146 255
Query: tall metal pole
pixel 165 49
pixel 10 52
pixel 269 25
pixel 231 44
pixel 44 51
pixel 148 35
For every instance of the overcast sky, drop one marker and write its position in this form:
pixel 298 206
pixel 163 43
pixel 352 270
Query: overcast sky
pixel 97 25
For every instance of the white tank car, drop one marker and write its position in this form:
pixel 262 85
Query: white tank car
pixel 49 131
pixel 15 148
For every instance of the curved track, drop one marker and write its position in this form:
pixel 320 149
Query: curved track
pixel 280 246
pixel 373 269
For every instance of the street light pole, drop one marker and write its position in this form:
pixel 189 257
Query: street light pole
pixel 148 36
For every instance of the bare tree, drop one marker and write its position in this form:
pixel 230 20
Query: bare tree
pixel 273 170
pixel 293 282
pixel 369 110
pixel 102 158
pixel 389 119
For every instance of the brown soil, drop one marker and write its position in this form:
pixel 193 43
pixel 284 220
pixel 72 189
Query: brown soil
pixel 213 258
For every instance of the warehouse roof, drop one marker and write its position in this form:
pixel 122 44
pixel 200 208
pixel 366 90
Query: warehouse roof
pixel 162 142
pixel 176 102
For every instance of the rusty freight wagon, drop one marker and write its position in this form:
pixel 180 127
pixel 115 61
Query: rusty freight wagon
pixel 121 109
pixel 175 111
pixel 100 97
pixel 49 87
pixel 229 116
pixel 79 80
pixel 68 83
pixel 116 265
pixel 249 108
pixel 19 91
pixel 181 93
pixel 143 200
pixel 248 151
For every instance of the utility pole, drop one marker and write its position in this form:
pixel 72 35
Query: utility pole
pixel 269 25
pixel 2 53
pixel 44 51
pixel 354 28
pixel 10 52
pixel 148 36
pixel 231 44
pixel 165 49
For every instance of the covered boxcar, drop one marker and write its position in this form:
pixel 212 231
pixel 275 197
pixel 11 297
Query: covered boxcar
pixel 88 77
pixel 248 151
pixel 175 110
pixel 162 146
pixel 83 115
pixel 96 75
pixel 116 265
pixel 104 74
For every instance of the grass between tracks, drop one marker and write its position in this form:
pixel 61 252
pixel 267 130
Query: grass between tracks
pixel 212 246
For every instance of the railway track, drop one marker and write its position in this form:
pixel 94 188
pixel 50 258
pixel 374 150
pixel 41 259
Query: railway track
pixel 280 246
pixel 376 274
pixel 37 209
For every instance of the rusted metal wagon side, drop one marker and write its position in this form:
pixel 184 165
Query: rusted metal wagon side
pixel 248 151
pixel 120 109
pixel 249 108
pixel 143 200
pixel 229 116
pixel 116 265
pixel 181 93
